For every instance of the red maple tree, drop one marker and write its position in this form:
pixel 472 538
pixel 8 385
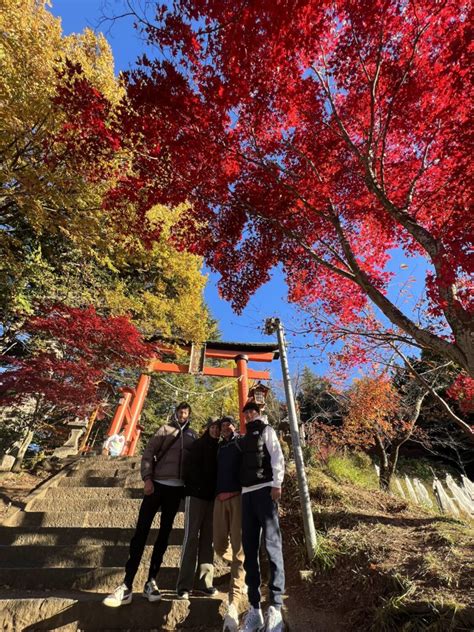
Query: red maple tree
pixel 462 390
pixel 377 416
pixel 319 135
pixel 73 351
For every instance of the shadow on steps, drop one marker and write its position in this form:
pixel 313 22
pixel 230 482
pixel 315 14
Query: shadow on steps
pixel 85 612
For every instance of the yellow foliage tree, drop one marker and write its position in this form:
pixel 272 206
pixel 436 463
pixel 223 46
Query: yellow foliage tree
pixel 36 194
pixel 57 243
pixel 39 199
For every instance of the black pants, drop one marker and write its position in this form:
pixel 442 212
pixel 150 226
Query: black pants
pixel 260 516
pixel 168 499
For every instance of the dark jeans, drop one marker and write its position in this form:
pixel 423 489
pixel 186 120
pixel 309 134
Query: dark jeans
pixel 168 499
pixel 260 516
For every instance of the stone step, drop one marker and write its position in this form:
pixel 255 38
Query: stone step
pixel 109 464
pixel 119 459
pixel 124 500
pixel 112 472
pixel 84 612
pixel 112 505
pixel 102 580
pixel 41 556
pixel 77 536
pixel 101 493
pixel 100 481
pixel 67 520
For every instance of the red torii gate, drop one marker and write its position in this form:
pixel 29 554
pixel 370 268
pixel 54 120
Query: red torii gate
pixel 128 412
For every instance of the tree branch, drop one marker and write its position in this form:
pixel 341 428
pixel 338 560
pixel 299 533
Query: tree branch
pixel 467 430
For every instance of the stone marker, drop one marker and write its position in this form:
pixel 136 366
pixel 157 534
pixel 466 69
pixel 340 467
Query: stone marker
pixel 71 447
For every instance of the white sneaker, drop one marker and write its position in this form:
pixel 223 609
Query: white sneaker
pixel 273 620
pixel 151 591
pixel 253 621
pixel 120 597
pixel 231 619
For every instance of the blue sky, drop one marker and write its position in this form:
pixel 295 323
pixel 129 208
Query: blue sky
pixel 270 300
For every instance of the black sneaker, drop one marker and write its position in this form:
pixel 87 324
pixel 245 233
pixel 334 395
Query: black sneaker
pixel 207 591
pixel 182 594
pixel 150 591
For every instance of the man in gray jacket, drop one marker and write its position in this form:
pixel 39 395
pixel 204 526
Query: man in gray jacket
pixel 162 472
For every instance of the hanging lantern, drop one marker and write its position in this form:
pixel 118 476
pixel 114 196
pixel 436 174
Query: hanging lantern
pixel 258 393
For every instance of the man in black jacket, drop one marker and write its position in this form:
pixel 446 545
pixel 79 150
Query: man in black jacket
pixel 200 479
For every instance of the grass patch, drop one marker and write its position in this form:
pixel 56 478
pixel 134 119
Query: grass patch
pixel 385 616
pixel 356 469
pixel 451 532
pixel 325 553
pixel 438 570
pixel 380 561
pixel 429 617
pixel 322 488
pixel 423 469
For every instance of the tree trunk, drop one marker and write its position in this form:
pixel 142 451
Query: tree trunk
pixel 389 471
pixel 389 460
pixel 28 436
pixel 385 479
pixel 22 450
pixel 385 475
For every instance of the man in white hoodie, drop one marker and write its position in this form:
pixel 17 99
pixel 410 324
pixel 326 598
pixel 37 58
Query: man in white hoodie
pixel 261 475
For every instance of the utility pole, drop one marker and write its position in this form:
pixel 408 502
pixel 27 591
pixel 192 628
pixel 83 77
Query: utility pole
pixel 273 325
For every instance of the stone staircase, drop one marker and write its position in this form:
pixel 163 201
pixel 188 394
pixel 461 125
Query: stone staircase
pixel 67 548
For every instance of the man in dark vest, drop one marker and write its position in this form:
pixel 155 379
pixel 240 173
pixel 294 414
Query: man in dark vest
pixel 261 475
pixel 162 467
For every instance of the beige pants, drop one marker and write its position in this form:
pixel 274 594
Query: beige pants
pixel 228 525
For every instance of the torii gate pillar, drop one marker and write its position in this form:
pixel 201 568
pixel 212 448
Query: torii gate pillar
pixel 243 386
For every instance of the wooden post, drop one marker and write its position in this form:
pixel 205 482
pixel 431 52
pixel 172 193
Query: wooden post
pixel 90 425
pixel 134 441
pixel 243 386
pixel 135 411
pixel 117 421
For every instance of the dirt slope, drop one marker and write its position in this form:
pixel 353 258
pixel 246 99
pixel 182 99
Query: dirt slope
pixel 381 565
